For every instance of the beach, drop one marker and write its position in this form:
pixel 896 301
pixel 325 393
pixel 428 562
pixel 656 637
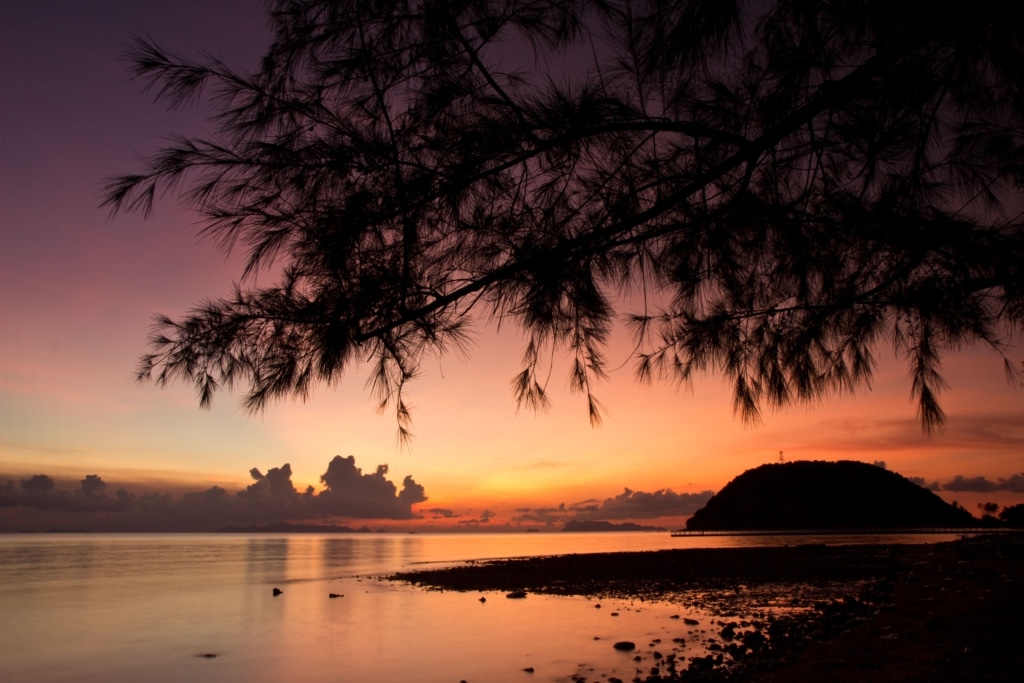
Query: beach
pixel 930 612
pixel 115 608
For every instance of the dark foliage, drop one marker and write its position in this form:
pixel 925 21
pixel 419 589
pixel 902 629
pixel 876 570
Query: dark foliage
pixel 1013 515
pixel 825 495
pixel 783 186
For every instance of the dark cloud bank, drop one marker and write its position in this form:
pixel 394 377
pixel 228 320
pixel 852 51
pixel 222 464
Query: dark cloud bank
pixel 960 483
pixel 35 502
pixel 1012 484
pixel 627 505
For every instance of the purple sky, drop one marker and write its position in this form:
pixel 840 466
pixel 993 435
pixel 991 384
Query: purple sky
pixel 78 290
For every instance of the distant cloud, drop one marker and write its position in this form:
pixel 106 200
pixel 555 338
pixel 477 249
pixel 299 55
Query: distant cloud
pixel 39 492
pixel 271 497
pixel 639 505
pixel 92 486
pixel 972 431
pixel 442 513
pixel 923 483
pixel 977 484
pixel 350 493
pixel 545 516
pixel 627 505
pixel 959 483
pixel 39 483
pixel 1015 483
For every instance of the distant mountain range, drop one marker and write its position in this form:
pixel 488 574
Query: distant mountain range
pixel 814 494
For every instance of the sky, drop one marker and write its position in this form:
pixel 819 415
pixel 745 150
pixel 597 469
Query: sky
pixel 78 290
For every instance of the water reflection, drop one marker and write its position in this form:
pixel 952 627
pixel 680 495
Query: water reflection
pixel 266 558
pixel 128 608
pixel 337 552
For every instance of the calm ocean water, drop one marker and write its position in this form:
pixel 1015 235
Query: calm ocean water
pixel 119 608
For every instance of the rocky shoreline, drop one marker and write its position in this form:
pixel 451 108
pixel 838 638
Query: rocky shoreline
pixel 941 612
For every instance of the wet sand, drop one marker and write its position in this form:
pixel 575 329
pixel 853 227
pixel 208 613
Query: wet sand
pixel 941 612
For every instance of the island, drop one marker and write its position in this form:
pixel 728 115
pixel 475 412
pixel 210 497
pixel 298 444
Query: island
pixel 817 494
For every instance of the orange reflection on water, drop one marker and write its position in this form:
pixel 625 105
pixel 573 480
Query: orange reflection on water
pixel 126 608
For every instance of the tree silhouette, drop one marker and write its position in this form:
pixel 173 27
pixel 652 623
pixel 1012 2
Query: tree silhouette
pixel 784 187
pixel 989 508
pixel 1013 515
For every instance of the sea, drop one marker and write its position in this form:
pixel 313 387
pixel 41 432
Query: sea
pixel 119 608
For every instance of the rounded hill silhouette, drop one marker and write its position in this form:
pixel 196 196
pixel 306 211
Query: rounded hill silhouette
pixel 816 494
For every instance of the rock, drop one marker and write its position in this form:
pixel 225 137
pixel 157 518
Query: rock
pixel 335 595
pixel 755 640
pixel 516 594
pixel 691 622
pixel 702 664
pixel 483 599
pixel 277 591
pixel 625 645
pixel 207 655
pixel 736 650
pixel 528 669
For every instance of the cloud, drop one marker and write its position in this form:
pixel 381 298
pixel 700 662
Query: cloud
pixel 350 493
pixel 546 516
pixel 39 492
pixel 271 497
pixel 922 482
pixel 1014 484
pixel 92 486
pixel 627 505
pixel 543 515
pixel 442 513
pixel 1002 431
pixel 639 505
pixel 978 484
pixel 39 483
pixel 484 518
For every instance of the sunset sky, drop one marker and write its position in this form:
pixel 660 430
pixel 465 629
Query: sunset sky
pixel 78 291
